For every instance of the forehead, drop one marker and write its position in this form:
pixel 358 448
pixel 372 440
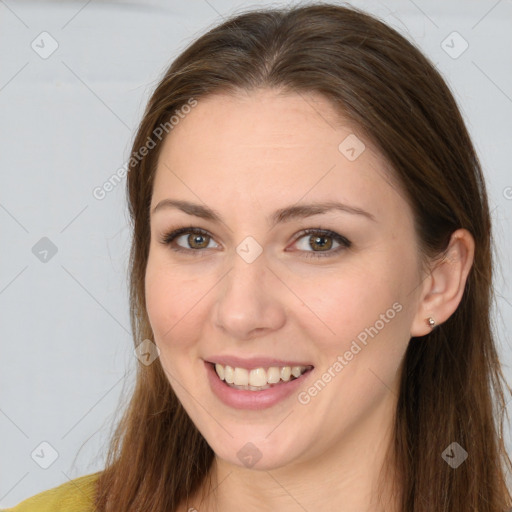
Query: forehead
pixel 264 118
pixel 267 145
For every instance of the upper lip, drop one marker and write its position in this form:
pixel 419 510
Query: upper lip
pixel 253 362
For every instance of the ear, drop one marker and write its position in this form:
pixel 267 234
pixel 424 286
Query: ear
pixel 443 288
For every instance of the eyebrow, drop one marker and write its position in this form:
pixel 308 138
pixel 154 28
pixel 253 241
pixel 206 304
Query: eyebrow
pixel 282 215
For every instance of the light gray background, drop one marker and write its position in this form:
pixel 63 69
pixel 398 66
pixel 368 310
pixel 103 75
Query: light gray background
pixel 67 123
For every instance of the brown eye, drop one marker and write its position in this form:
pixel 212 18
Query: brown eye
pixel 198 241
pixel 192 240
pixel 322 243
pixel 319 243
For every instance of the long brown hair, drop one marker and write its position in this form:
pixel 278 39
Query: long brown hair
pixel 451 379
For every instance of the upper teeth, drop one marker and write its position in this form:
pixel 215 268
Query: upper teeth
pixel 258 376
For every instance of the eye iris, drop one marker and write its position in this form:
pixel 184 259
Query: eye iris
pixel 317 240
pixel 196 239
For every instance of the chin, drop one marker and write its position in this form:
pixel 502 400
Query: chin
pixel 253 447
pixel 254 456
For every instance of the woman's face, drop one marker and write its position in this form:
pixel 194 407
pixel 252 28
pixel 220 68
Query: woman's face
pixel 251 290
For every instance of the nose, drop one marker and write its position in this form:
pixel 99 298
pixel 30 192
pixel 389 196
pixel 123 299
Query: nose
pixel 250 300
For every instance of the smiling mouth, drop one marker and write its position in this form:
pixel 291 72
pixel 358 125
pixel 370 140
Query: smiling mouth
pixel 258 379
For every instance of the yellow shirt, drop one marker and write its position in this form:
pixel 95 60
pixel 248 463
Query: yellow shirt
pixel 74 496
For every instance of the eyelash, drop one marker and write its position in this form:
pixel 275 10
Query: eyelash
pixel 169 237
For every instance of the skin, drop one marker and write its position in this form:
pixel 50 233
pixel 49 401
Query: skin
pixel 245 156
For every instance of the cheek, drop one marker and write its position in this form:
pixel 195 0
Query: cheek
pixel 173 304
pixel 361 318
pixel 173 307
pixel 360 342
pixel 339 305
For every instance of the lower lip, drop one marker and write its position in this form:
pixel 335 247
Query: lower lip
pixel 245 399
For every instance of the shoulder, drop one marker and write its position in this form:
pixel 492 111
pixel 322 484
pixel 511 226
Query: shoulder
pixel 74 496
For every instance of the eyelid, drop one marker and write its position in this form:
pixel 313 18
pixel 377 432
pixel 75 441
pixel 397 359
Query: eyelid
pixel 344 242
pixel 169 236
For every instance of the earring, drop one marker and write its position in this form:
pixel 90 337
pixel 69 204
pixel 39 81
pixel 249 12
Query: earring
pixel 431 321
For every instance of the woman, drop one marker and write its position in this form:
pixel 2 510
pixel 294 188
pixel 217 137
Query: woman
pixel 311 283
